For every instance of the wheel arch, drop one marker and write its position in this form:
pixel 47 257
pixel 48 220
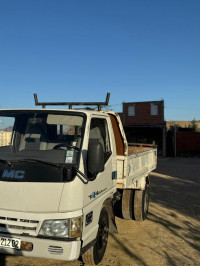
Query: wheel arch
pixel 94 251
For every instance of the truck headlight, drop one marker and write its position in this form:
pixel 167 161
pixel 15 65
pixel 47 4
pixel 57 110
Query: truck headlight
pixel 67 228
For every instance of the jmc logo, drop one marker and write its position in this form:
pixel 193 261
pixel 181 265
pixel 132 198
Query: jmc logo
pixel 17 174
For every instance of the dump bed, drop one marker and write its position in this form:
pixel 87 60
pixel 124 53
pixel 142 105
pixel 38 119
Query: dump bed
pixel 134 160
pixel 139 162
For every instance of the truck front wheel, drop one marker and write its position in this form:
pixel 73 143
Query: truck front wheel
pixel 94 255
pixel 141 204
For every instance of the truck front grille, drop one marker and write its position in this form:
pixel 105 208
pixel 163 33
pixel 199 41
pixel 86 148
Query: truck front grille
pixel 18 226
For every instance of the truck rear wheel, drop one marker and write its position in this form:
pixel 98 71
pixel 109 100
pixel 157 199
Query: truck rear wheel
pixel 141 204
pixel 127 204
pixel 94 255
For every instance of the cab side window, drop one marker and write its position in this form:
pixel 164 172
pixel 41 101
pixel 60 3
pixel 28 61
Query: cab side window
pixel 99 130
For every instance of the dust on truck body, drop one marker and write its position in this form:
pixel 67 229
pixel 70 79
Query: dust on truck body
pixel 64 177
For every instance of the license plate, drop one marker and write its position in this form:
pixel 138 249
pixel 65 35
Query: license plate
pixel 10 242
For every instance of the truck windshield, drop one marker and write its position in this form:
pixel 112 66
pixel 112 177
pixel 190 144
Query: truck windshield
pixel 53 136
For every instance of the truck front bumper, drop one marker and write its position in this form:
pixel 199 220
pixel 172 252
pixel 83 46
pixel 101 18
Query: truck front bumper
pixel 45 248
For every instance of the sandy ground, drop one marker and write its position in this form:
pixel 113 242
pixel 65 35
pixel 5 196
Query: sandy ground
pixel 170 235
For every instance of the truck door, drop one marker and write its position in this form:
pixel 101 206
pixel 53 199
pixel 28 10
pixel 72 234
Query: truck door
pixel 104 180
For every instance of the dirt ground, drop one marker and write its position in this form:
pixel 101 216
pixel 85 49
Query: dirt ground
pixel 170 235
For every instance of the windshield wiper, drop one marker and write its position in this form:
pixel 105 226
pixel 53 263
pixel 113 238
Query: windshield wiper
pixel 35 161
pixel 82 174
pixel 5 162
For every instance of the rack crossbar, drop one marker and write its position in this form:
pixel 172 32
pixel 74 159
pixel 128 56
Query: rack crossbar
pixel 70 104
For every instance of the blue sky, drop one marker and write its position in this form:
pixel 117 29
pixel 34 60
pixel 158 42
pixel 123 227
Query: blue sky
pixel 78 50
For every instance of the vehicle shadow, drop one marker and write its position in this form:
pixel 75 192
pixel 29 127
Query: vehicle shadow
pixel 175 184
pixel 175 209
pixel 2 260
pixel 128 251
pixel 3 256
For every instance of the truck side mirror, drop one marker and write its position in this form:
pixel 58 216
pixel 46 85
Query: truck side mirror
pixel 95 159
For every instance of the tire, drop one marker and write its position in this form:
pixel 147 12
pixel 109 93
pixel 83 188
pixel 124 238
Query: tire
pixel 95 254
pixel 117 205
pixel 126 204
pixel 141 204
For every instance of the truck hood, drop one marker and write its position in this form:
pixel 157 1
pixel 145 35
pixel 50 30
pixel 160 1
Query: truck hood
pixel 30 185
pixel 35 186
pixel 30 197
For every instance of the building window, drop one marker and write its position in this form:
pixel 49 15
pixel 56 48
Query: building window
pixel 131 110
pixel 154 109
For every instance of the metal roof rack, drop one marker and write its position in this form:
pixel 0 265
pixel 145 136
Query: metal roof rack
pixel 70 104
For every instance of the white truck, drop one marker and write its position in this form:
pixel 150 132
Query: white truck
pixel 64 176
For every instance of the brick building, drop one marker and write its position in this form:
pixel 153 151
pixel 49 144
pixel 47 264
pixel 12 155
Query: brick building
pixel 144 123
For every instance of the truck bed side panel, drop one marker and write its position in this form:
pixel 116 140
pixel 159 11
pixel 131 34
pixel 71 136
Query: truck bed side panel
pixel 137 165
